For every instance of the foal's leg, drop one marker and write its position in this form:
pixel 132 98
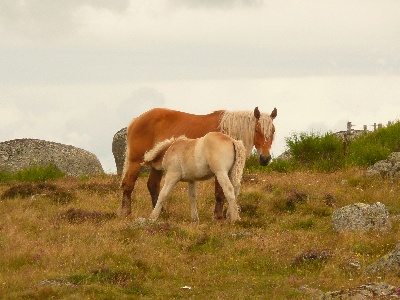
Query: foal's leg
pixel 192 200
pixel 170 182
pixel 127 184
pixel 153 184
pixel 233 212
pixel 219 201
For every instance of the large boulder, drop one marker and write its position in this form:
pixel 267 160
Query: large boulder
pixel 19 154
pixel 361 217
pixel 389 167
pixel 119 149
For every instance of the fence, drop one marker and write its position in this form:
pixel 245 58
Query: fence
pixel 365 127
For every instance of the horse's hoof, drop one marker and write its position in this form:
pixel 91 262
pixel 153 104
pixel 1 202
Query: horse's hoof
pixel 218 217
pixel 123 212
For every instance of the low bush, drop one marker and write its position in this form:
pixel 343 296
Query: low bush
pixel 33 174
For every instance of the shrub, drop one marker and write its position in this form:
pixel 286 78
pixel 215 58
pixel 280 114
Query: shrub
pixel 315 151
pixel 278 165
pixel 33 174
pixel 328 152
pixel 370 148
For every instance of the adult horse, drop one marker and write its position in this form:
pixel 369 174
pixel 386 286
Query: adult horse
pixel 191 160
pixel 251 127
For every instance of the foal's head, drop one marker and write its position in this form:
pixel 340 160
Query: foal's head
pixel 262 139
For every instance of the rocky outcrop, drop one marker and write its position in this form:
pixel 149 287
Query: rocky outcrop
pixel 375 290
pixel 119 149
pixel 387 263
pixel 389 167
pixel 19 154
pixel 361 217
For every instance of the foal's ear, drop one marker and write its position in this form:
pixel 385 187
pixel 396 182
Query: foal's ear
pixel 274 114
pixel 257 113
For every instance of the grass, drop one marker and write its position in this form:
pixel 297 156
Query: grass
pixel 329 152
pixel 51 248
pixel 33 174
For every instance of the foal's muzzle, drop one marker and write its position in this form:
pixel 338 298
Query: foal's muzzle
pixel 264 160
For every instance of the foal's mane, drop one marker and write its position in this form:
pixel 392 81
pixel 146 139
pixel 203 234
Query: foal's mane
pixel 240 125
pixel 159 147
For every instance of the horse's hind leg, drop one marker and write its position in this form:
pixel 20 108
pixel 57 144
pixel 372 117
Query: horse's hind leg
pixel 192 200
pixel 170 182
pixel 219 201
pixel 233 211
pixel 153 184
pixel 131 174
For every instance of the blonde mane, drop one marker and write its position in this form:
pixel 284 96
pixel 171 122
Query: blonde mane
pixel 153 153
pixel 240 125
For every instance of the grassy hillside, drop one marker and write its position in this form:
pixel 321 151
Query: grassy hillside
pixel 61 239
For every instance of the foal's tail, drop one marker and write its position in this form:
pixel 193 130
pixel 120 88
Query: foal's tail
pixel 238 166
pixel 152 154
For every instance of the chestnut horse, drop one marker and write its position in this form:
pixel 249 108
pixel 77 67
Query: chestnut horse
pixel 251 127
pixel 191 160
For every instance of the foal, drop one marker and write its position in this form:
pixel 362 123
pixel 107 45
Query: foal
pixel 191 160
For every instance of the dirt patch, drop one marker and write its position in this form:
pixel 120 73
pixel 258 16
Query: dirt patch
pixel 77 216
pixel 43 189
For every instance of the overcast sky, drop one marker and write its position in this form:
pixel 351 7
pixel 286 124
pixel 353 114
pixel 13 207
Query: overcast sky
pixel 77 71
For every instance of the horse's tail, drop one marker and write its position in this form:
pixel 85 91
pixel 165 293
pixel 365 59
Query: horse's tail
pixel 152 154
pixel 238 166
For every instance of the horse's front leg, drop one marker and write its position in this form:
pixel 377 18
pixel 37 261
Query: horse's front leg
pixel 233 210
pixel 219 201
pixel 192 200
pixel 153 184
pixel 127 184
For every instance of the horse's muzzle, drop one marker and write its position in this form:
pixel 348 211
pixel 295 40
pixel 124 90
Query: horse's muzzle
pixel 264 160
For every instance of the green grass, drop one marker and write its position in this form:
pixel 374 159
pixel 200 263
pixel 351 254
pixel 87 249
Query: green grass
pixel 34 174
pixel 328 152
pixel 375 146
pixel 60 237
pixel 81 250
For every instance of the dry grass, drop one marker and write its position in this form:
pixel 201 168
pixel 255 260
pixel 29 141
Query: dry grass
pixel 67 243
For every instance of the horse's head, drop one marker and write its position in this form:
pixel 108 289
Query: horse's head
pixel 263 140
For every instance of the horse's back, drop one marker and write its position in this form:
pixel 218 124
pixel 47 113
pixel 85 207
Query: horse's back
pixel 218 150
pixel 159 124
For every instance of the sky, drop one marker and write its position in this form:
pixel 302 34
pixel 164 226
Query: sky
pixel 77 71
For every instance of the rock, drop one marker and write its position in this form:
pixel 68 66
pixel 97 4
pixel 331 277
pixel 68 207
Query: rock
pixel 286 155
pixel 394 157
pixel 361 217
pixel 119 149
pixel 20 154
pixel 375 290
pixel 388 263
pixel 389 167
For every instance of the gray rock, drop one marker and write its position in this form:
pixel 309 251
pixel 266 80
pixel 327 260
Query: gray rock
pixel 119 149
pixel 388 263
pixel 20 154
pixel 361 217
pixel 389 167
pixel 375 290
pixel 394 157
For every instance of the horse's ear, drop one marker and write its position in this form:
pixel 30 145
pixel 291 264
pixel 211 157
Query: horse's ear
pixel 257 113
pixel 274 114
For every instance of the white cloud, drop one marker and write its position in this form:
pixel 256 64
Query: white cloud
pixel 78 71
pixel 141 100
